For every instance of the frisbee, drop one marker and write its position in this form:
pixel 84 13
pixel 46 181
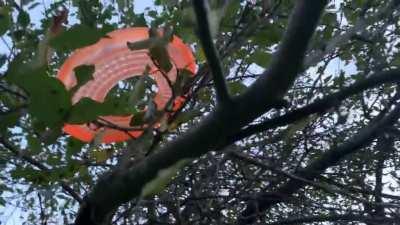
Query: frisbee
pixel 115 62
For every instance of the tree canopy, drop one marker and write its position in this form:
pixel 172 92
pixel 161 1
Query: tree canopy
pixel 291 118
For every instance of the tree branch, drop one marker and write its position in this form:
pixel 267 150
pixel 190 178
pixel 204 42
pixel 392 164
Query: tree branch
pixel 324 187
pixel 315 168
pixel 120 186
pixel 320 106
pixel 204 33
pixel 360 25
pixel 335 218
pixel 39 165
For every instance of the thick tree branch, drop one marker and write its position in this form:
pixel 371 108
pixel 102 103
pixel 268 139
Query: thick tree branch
pixel 322 105
pixel 120 186
pixel 39 165
pixel 263 202
pixel 204 33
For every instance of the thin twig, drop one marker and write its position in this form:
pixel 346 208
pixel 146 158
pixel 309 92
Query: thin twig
pixel 10 147
pixel 201 11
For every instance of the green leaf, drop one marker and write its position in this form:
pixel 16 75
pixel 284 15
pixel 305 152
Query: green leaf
pixel 49 100
pixel 164 176
pixel 85 110
pixel 34 144
pixel 78 36
pixel 297 126
pixel 5 19
pixel 101 155
pixel 137 119
pixel 261 58
pixel 73 146
pixel 140 20
pixel 184 117
pixel 83 74
pixel 268 36
pixel 50 135
pixel 230 15
pixel 8 120
pixel 184 77
pixel 23 19
pixel 236 87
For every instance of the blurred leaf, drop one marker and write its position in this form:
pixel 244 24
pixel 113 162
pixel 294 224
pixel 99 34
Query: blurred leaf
pixel 83 74
pixel 137 119
pixel 34 145
pixel 230 14
pixel 236 87
pixel 268 36
pixel 140 20
pixel 50 135
pixel 5 19
pixel 49 100
pixel 86 110
pixel 261 58
pixel 8 120
pixel 23 19
pixel 73 146
pixel 164 176
pixel 101 155
pixel 297 126
pixel 184 117
pixel 78 36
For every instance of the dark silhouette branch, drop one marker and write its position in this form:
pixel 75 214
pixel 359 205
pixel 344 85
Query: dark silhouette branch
pixel 330 158
pixel 335 218
pixel 120 186
pixel 322 105
pixel 324 187
pixel 211 53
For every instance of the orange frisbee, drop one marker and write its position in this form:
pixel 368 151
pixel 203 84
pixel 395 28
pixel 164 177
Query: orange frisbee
pixel 114 62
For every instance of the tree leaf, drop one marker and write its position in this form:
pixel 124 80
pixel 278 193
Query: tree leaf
pixel 49 100
pixel 261 58
pixel 164 176
pixel 8 120
pixel 35 147
pixel 83 74
pixel 184 117
pixel 101 155
pixel 86 110
pixel 78 36
pixel 73 146
pixel 236 87
pixel 5 19
pixel 23 19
